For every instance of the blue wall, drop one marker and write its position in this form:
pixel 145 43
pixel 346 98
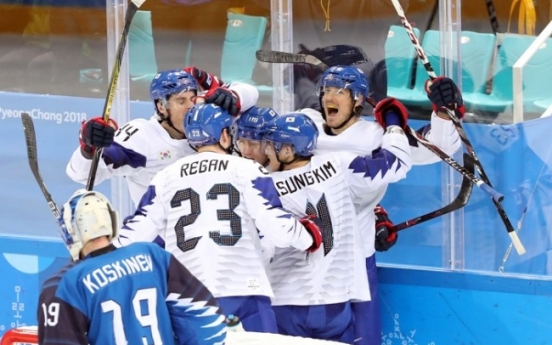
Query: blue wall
pixel 417 306
pixel 435 307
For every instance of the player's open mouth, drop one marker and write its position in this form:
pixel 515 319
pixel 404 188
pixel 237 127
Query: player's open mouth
pixel 331 109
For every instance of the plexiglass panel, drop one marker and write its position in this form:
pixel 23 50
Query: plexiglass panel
pixel 216 36
pixel 510 27
pixel 53 65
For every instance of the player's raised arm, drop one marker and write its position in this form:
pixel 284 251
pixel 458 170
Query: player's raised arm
pixel 234 97
pixel 94 134
pixel 393 160
pixel 443 93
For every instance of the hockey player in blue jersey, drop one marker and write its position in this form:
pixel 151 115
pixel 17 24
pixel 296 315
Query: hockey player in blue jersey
pixel 209 208
pixel 139 294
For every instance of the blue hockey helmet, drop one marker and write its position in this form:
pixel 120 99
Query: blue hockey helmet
pixel 345 77
pixel 204 124
pixel 171 82
pixel 296 129
pixel 252 123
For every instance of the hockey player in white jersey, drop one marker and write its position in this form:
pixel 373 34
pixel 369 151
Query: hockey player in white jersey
pixel 207 207
pixel 342 94
pixel 328 186
pixel 143 147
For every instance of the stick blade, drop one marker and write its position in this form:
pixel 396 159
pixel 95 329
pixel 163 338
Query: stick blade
pixel 460 201
pixel 30 137
pixel 279 57
pixel 274 56
pixel 466 186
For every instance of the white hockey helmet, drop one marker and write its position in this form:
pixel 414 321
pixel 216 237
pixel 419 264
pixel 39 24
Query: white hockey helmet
pixel 85 216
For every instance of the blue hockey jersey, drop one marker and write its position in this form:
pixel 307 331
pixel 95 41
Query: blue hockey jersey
pixel 138 294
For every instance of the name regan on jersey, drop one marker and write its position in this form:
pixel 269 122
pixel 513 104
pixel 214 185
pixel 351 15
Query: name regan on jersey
pixel 101 277
pixel 206 165
pixel 297 182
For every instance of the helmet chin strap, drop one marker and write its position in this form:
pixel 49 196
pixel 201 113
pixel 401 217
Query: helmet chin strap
pixel 328 129
pixel 230 149
pixel 295 159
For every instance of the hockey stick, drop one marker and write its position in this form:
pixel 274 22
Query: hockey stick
pixel 460 201
pixel 432 75
pixel 340 54
pixel 492 16
pixel 496 196
pixel 522 217
pixel 130 12
pixel 274 56
pixel 30 139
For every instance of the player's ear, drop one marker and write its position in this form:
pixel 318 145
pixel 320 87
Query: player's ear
pixel 160 107
pixel 358 102
pixel 288 150
pixel 225 136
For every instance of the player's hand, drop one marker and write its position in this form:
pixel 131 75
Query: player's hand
pixel 224 98
pixel 391 112
pixel 385 237
pixel 96 133
pixel 206 81
pixel 314 226
pixel 443 92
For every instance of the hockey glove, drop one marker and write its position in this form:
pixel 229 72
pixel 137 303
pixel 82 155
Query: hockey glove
pixel 385 238
pixel 443 92
pixel 224 98
pixel 314 226
pixel 96 133
pixel 391 112
pixel 206 81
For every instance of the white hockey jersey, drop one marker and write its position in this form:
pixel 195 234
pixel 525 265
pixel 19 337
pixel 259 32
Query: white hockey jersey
pixel 141 148
pixel 330 186
pixel 207 208
pixel 363 137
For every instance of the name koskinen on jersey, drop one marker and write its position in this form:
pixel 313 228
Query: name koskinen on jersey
pixel 307 178
pixel 109 273
pixel 202 166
